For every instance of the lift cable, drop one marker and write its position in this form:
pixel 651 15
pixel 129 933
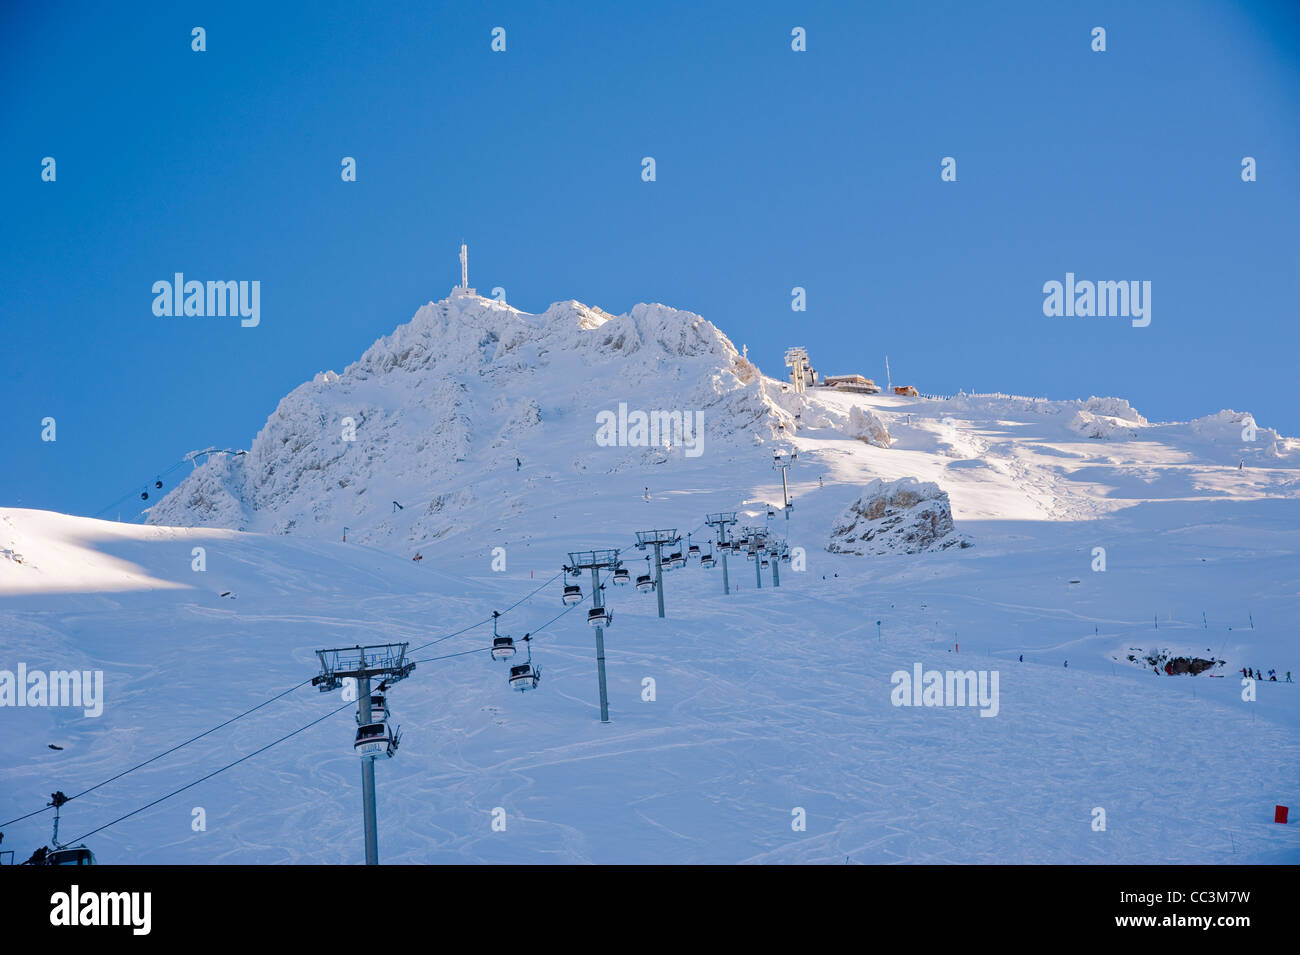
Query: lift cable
pixel 191 785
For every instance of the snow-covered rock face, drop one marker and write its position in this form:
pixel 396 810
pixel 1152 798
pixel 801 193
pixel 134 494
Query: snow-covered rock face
pixel 867 426
pixel 431 414
pixel 906 516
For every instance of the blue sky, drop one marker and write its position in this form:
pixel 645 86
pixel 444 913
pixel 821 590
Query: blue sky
pixel 775 169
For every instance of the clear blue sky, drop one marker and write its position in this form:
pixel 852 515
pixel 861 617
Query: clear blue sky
pixel 775 169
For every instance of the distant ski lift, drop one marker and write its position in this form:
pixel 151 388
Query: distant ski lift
pixel 770 513
pixel 599 617
pixel 524 676
pixel 144 495
pixel 157 483
pixel 572 595
pixel 676 560
pixel 693 550
pixel 376 740
pixel 645 583
pixel 70 855
pixel 621 576
pixel 763 563
pixel 707 560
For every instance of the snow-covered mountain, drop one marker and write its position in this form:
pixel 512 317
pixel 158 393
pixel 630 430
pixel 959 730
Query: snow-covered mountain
pixel 436 416
pixel 1101 539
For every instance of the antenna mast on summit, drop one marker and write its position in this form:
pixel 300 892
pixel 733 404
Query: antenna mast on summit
pixel 464 265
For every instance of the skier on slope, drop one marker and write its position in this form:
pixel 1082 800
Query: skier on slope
pixel 518 464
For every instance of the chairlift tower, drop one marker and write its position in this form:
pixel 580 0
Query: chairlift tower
pixel 387 660
pixel 596 561
pixel 757 537
pixel 796 359
pixel 781 461
pixel 657 538
pixel 721 521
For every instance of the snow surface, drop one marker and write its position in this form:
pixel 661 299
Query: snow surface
pixel 767 700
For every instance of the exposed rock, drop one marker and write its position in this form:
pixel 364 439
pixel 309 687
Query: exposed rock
pixel 906 516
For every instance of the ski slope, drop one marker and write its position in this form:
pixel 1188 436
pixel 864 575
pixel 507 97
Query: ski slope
pixel 766 701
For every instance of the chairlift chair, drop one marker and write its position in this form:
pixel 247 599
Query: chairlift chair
pixel 676 560
pixel 378 709
pixel 645 583
pixel 707 560
pixel 70 855
pixel 524 676
pixel 621 576
pixel 376 740
pixel 600 617
pixel 502 647
pixel 572 595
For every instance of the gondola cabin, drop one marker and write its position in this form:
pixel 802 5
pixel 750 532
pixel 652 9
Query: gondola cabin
pixel 70 855
pixel 707 560
pixel 599 617
pixel 375 741
pixel 645 583
pixel 572 595
pixel 378 708
pixel 621 576
pixel 503 648
pixel 524 677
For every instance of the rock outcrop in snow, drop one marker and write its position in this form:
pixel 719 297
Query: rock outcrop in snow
pixel 867 426
pixel 906 516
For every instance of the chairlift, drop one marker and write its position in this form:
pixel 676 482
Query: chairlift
pixel 676 560
pixel 157 483
pixel 70 855
pixel 770 513
pixel 376 740
pixel 707 561
pixel 763 563
pixel 645 582
pixel 524 676
pixel 378 709
pixel 502 647
pixel 621 576
pixel 144 495
pixel 693 550
pixel 600 617
pixel 572 595
pixel 61 854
